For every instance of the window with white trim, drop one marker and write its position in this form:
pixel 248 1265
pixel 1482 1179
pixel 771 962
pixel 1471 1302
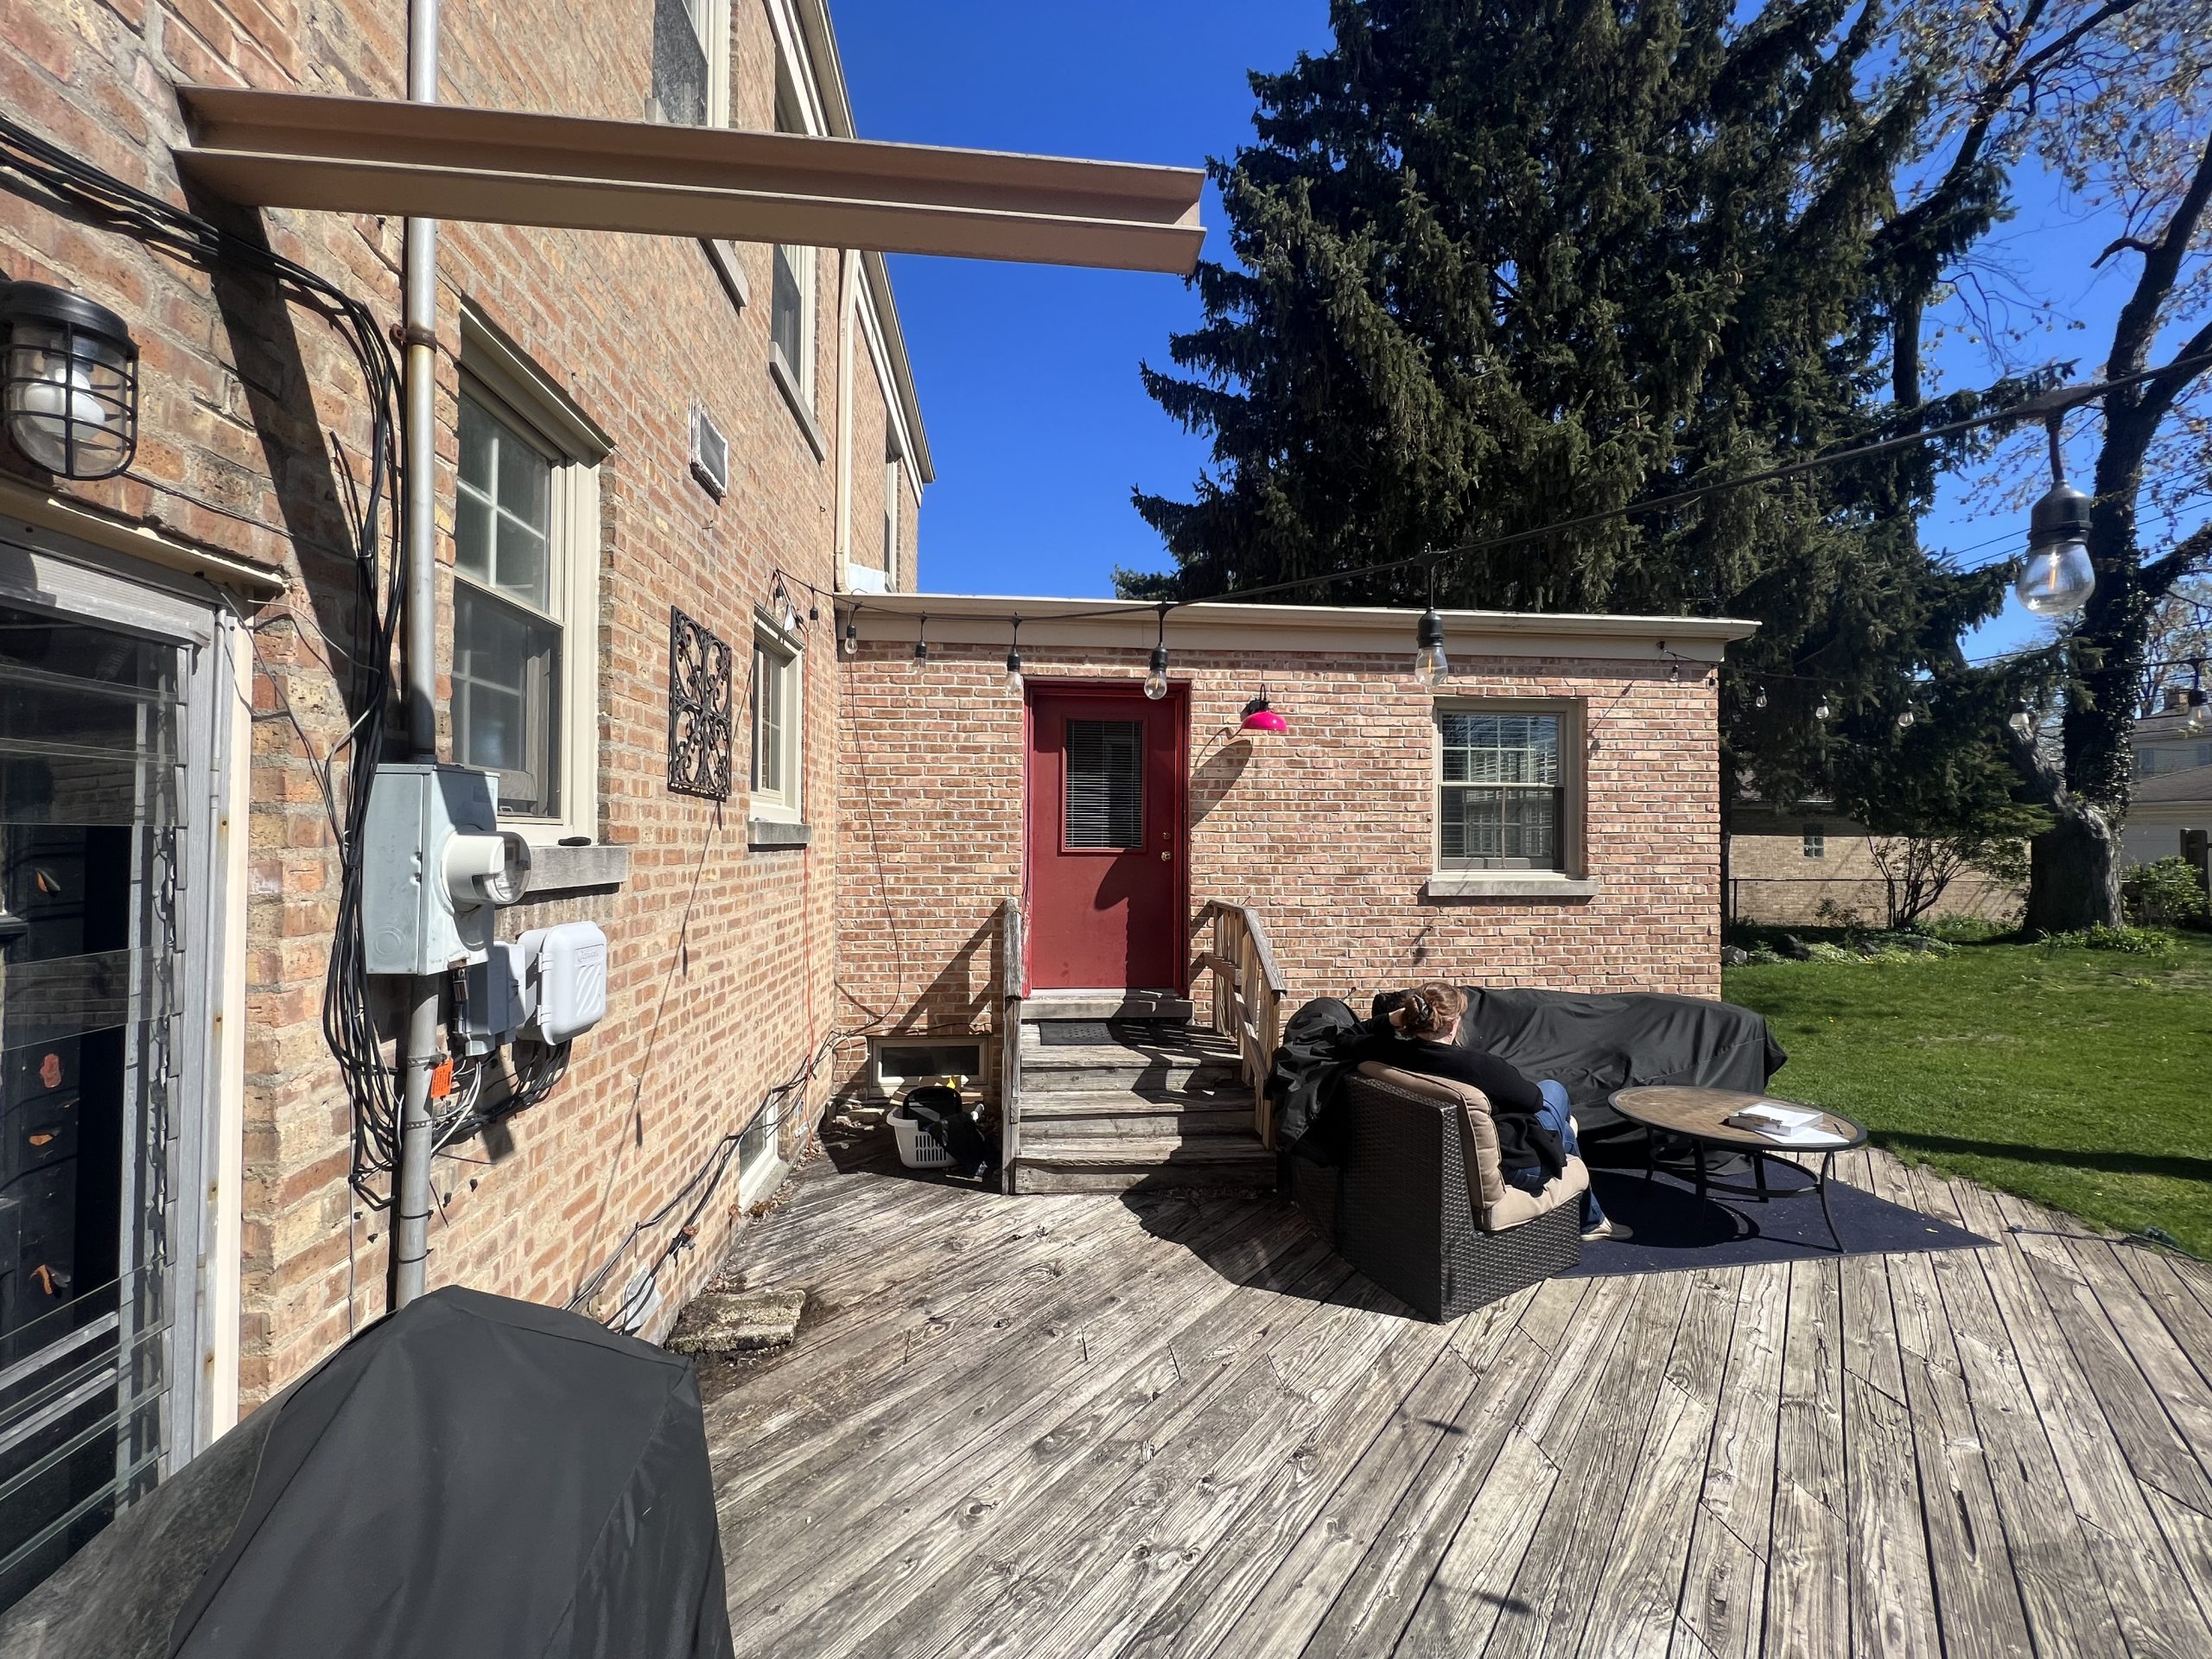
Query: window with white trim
pixel 1508 783
pixel 525 592
pixel 1816 843
pixel 691 62
pixel 894 470
pixel 778 750
pixel 790 300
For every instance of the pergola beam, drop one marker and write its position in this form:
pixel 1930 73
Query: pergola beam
pixel 449 161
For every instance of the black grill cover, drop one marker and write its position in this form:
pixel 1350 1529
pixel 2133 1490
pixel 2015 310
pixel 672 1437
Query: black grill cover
pixel 1595 1044
pixel 475 1477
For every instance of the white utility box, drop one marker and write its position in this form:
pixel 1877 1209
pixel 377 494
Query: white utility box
pixel 434 864
pixel 566 980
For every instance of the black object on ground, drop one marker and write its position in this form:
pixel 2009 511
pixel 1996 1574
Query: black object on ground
pixel 945 1119
pixel 474 1477
pixel 1674 1229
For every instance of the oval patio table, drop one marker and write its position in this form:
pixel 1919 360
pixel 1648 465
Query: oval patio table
pixel 1699 1116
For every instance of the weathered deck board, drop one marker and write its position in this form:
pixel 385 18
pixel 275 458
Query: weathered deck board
pixel 1163 1425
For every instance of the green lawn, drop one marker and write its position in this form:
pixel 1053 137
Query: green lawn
pixel 2080 1078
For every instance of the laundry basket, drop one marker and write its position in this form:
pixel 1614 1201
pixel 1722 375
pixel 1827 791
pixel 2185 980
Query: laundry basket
pixel 917 1149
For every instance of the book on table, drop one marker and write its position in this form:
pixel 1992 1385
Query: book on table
pixel 1785 1124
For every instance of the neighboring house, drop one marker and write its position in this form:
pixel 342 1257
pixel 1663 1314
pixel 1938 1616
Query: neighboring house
pixel 1812 865
pixel 2170 810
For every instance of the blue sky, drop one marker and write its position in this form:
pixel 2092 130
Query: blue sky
pixel 1028 374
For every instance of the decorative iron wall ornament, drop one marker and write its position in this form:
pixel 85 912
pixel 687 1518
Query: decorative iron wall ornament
pixel 699 704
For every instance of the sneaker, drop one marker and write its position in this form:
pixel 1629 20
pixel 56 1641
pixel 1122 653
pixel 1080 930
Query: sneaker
pixel 1618 1232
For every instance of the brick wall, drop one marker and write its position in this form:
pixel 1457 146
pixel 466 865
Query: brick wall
pixel 721 978
pixel 1773 880
pixel 1327 831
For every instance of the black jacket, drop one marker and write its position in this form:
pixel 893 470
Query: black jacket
pixel 1524 1144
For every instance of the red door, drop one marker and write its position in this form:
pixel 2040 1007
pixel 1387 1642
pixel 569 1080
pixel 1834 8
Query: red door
pixel 1105 840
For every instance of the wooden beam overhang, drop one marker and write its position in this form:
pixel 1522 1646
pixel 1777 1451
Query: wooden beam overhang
pixel 450 162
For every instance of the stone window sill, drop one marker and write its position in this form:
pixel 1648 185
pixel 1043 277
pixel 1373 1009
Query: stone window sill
pixel 1509 884
pixel 773 832
pixel 574 869
pixel 787 383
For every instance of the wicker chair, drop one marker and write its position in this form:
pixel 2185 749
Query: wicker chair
pixel 1417 1202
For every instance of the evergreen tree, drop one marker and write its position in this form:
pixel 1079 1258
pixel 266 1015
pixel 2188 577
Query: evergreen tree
pixel 1511 263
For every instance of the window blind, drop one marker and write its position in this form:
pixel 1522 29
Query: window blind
pixel 1104 799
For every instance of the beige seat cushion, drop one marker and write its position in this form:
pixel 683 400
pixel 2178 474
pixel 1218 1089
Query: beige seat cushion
pixel 1500 1206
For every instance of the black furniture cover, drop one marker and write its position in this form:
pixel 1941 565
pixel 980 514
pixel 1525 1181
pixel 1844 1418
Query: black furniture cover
pixel 474 1477
pixel 1595 1044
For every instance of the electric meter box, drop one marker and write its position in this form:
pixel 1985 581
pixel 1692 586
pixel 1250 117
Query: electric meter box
pixel 567 976
pixel 410 921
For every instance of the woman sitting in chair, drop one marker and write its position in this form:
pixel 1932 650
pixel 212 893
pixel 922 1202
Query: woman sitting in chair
pixel 1417 1030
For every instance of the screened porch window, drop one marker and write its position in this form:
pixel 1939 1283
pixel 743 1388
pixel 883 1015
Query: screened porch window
pixel 1502 795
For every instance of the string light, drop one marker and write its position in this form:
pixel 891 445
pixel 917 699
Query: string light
pixel 1823 711
pixel 1014 661
pixel 1431 667
pixel 2057 578
pixel 1759 702
pixel 1904 720
pixel 1155 679
pixel 2022 722
pixel 852 635
pixel 921 641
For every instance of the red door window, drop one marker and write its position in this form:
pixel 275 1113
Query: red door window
pixel 1105 841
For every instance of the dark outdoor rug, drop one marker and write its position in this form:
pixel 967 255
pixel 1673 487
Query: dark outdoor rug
pixel 1073 1034
pixel 1674 1229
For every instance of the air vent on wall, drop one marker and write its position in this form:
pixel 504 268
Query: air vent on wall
pixel 709 455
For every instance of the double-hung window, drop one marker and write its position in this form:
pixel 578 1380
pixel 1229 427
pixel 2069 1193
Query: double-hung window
pixel 691 62
pixel 1505 793
pixel 790 300
pixel 894 481
pixel 526 590
pixel 779 752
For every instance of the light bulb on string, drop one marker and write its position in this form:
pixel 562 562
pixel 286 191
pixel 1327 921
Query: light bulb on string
pixel 1014 682
pixel 2057 578
pixel 921 642
pixel 2022 722
pixel 1905 718
pixel 852 641
pixel 1822 711
pixel 1759 702
pixel 1155 679
pixel 1431 667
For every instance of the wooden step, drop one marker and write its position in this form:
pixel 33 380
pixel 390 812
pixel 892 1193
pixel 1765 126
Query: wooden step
pixel 1117 1163
pixel 1114 1070
pixel 1132 1112
pixel 1104 1004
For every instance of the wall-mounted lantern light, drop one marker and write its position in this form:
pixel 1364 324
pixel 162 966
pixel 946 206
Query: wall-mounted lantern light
pixel 72 381
pixel 1258 717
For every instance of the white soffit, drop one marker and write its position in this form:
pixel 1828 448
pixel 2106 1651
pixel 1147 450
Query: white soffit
pixel 449 161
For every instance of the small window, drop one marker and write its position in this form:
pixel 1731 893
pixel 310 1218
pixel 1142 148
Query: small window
pixel 776 750
pixel 1103 804
pixel 1816 840
pixel 790 300
pixel 690 62
pixel 1502 800
pixel 508 638
pixel 893 484
pixel 899 1065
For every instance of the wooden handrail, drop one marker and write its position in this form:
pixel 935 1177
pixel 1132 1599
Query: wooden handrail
pixel 1009 1042
pixel 1247 993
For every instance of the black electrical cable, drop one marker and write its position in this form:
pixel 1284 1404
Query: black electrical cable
pixel 348 1021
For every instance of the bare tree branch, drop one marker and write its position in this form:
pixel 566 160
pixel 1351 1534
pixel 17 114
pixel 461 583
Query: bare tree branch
pixel 2139 318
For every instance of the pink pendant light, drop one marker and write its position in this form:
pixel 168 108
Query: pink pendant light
pixel 1258 717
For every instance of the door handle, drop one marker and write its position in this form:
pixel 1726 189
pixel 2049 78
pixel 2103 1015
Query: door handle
pixel 1164 857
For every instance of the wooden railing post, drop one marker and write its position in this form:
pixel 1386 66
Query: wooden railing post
pixel 1009 1045
pixel 1248 992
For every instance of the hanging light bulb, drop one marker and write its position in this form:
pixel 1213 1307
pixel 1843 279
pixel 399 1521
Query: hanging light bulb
pixel 1014 661
pixel 2022 722
pixel 2193 700
pixel 1823 711
pixel 2057 578
pixel 1431 667
pixel 852 636
pixel 921 642
pixel 1674 673
pixel 1904 720
pixel 1155 679
pixel 1759 702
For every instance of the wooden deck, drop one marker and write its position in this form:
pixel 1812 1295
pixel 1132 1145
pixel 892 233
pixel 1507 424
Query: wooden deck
pixel 1163 1425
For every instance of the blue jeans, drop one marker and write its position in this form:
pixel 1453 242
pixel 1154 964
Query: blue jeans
pixel 1555 1115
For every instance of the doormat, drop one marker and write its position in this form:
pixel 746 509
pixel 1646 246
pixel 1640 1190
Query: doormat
pixel 1074 1034
pixel 1675 1229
